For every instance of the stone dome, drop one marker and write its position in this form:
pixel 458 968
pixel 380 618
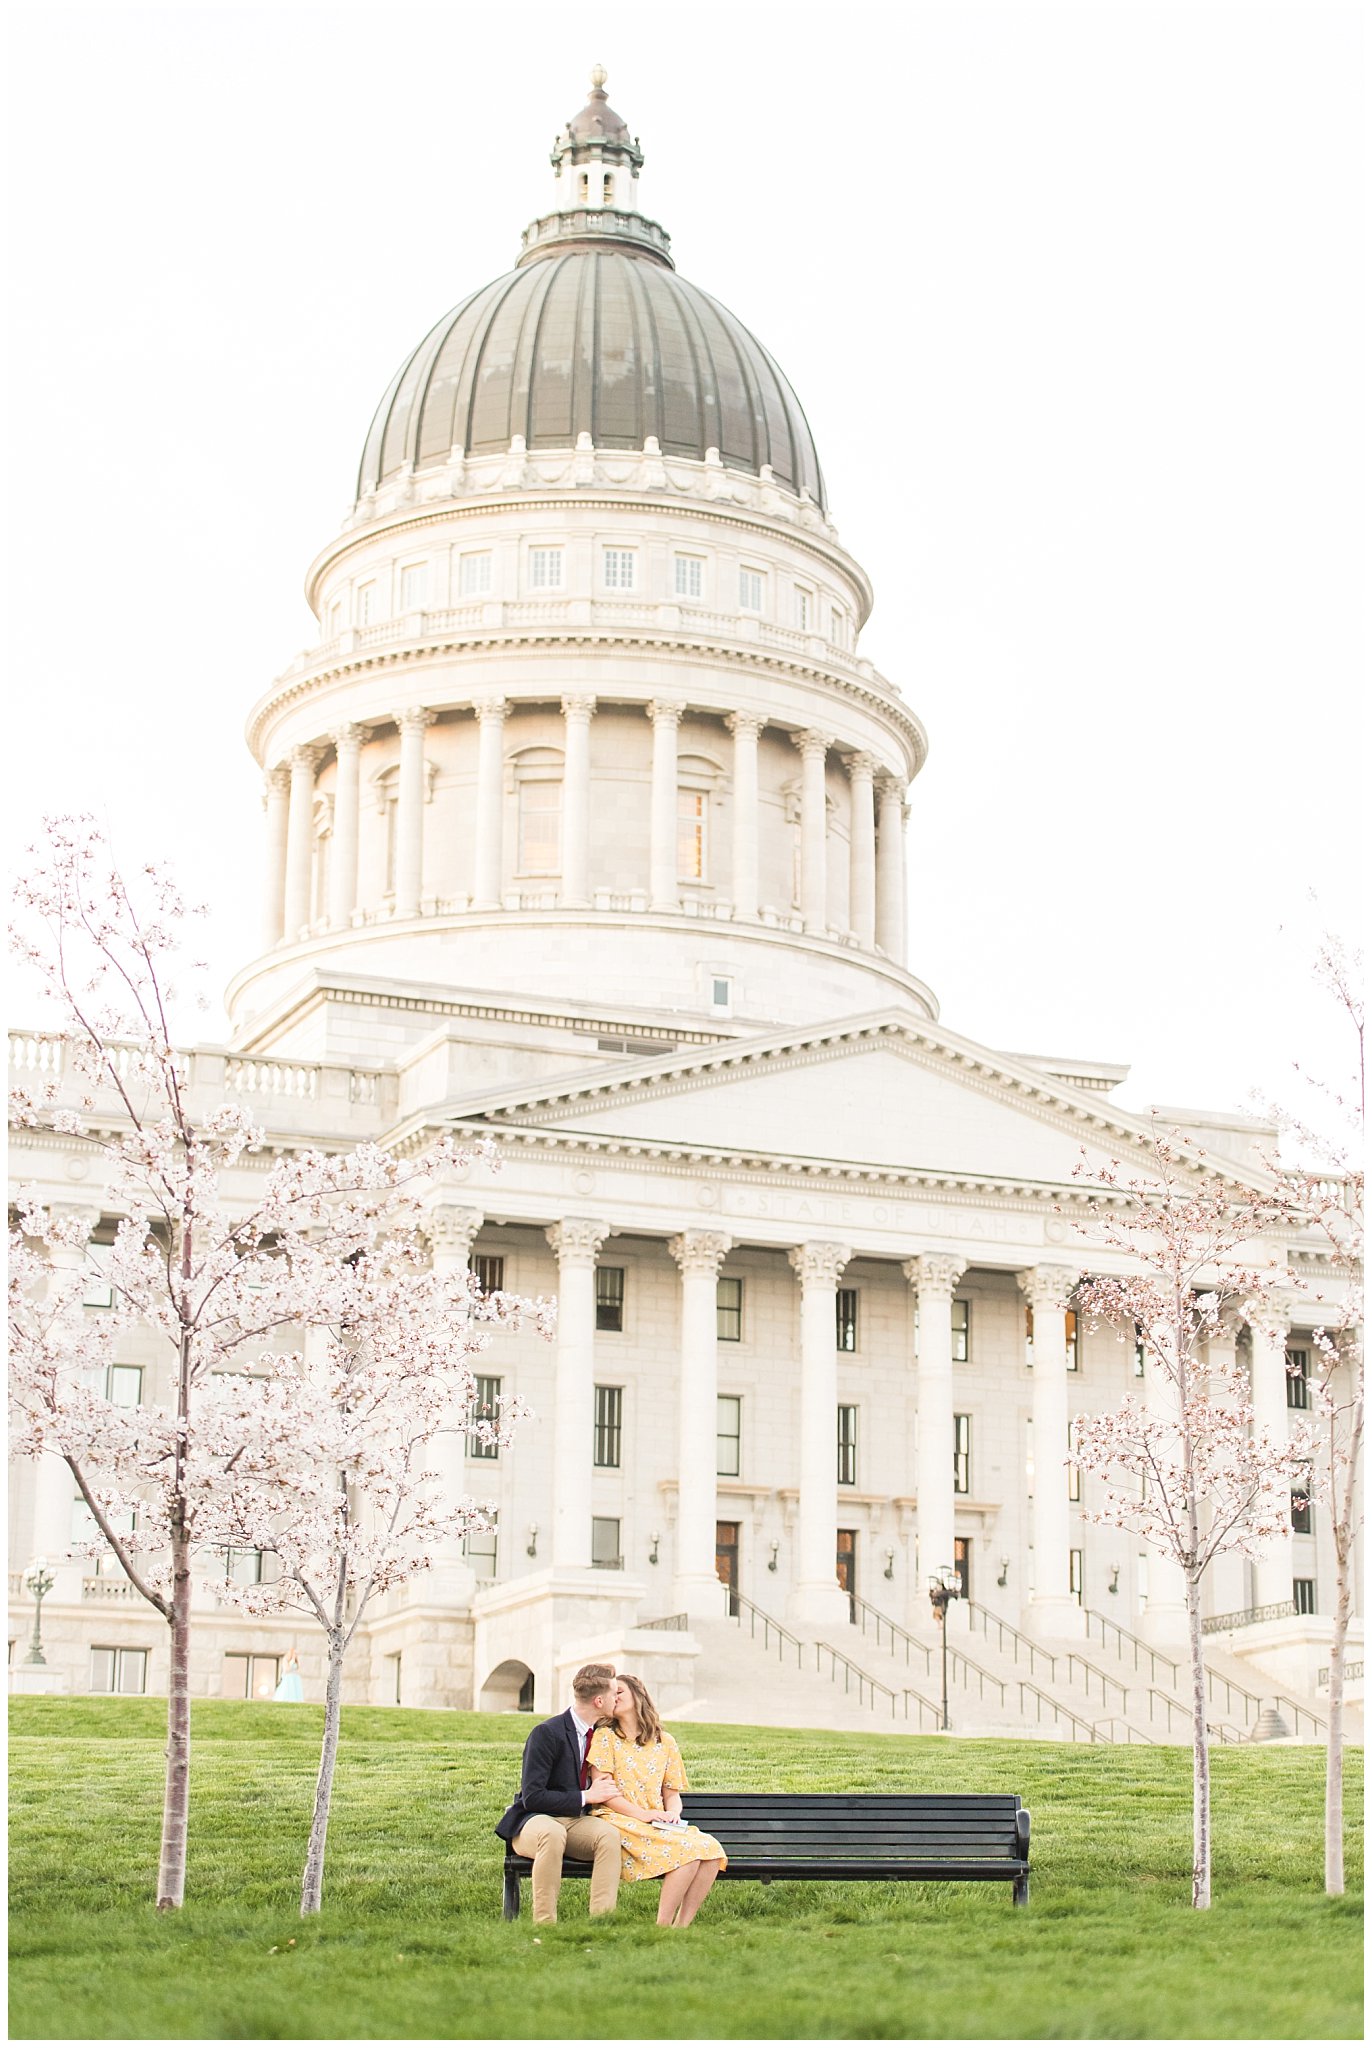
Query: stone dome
pixel 606 340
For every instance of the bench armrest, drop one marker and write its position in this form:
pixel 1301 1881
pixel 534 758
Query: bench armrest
pixel 1022 1832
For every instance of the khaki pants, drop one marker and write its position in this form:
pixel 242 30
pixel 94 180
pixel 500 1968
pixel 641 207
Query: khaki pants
pixel 546 1838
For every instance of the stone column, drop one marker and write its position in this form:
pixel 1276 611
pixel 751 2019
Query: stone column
pixel 814 828
pixel 488 875
pixel 451 1233
pixel 933 1279
pixel 409 822
pixel 1052 1610
pixel 746 730
pixel 577 1244
pixel 54 1488
pixel 696 1587
pixel 343 867
pixel 300 840
pixel 1224 1589
pixel 1163 1620
pixel 891 870
pixel 1269 1328
pixel 816 1600
pixel 278 787
pixel 662 876
pixel 862 857
pixel 577 713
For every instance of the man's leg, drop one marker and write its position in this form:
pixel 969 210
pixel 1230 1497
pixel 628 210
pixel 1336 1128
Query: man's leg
pixel 597 1842
pixel 543 1839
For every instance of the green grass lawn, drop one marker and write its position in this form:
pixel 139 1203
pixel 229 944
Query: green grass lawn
pixel 411 1943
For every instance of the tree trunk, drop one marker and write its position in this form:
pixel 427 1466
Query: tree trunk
pixel 171 1875
pixel 1333 1768
pixel 312 1887
pixel 1200 1753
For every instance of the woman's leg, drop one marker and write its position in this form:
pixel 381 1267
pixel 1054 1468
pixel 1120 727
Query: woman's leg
pixel 703 1876
pixel 675 1886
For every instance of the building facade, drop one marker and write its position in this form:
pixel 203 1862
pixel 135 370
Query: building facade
pixel 584 830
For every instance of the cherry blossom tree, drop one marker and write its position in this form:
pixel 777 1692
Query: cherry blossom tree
pixel 322 1242
pixel 1321 1177
pixel 1188 1469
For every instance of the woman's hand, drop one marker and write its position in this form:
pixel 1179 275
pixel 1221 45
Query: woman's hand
pixel 673 1805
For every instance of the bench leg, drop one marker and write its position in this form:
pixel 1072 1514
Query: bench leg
pixel 1021 1891
pixel 510 1903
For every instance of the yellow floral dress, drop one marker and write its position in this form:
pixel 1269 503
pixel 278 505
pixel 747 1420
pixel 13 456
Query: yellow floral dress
pixel 643 1772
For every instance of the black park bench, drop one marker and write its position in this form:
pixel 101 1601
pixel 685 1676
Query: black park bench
pixel 843 1837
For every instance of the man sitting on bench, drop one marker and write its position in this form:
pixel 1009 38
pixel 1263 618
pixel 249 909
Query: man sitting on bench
pixel 554 1813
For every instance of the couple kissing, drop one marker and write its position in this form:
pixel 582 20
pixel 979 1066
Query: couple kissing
pixel 603 1783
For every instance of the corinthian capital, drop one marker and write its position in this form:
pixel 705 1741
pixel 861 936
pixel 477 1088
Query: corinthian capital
pixel 1047 1287
pixel 934 1273
pixel 576 1240
pixel 744 725
pixel 348 738
pixel 818 1264
pixel 451 1231
pixel 306 759
pixel 491 710
pixel 862 767
pixel 811 743
pixel 414 719
pixel 666 710
pixel 700 1251
pixel 578 707
pixel 1269 1318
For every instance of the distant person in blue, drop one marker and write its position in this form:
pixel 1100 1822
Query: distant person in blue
pixel 290 1687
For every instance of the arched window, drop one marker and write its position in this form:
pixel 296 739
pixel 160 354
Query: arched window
pixel 583 188
pixel 609 188
pixel 540 826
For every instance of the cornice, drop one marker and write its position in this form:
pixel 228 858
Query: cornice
pixel 707 654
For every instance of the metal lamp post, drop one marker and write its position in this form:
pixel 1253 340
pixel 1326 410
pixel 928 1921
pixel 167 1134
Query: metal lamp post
pixel 40 1584
pixel 943 1587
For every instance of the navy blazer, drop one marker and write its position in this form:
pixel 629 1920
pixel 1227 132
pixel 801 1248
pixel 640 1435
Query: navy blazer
pixel 551 1778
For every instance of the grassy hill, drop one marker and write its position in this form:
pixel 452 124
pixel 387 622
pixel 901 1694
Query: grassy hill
pixel 411 1943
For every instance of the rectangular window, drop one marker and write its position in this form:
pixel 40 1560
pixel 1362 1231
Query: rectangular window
pixel 606 1554
pixel 244 1567
pixel 721 991
pixel 838 627
pixel 804 609
pixel 1138 1352
pixel 1070 1332
pixel 962 1332
pixel 1301 1524
pixel 689 575
pixel 618 568
pixel 750 590
pixel 609 1425
pixel 690 835
pixel 99 1293
pixel 1029 1335
pixel 488 1271
pixel 118 1670
pixel 1075 1574
pixel 1303 1595
pixel 846 1319
pixel 962 1565
pixel 728 1435
pixel 540 827
pixel 962 1454
pixel 609 1297
pixel 363 604
pixel 414 586
pixel 1298 1379
pixel 474 573
pixel 335 625
pixel 480 1548
pixel 249 1675
pixel 847 1445
pixel 485 1408
pixel 124 1385
pixel 729 1311
pixel 545 568
pixel 1073 1471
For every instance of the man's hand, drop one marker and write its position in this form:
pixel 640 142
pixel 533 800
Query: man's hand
pixel 601 1788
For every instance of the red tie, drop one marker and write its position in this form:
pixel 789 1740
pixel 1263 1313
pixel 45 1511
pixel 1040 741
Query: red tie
pixel 586 1760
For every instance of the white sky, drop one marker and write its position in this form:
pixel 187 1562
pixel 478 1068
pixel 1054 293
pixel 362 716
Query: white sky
pixel 1073 299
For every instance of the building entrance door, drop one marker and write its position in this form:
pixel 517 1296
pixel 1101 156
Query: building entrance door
pixel 846 1568
pixel 962 1565
pixel 726 1561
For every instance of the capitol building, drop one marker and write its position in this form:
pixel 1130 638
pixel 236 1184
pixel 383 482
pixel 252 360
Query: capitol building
pixel 584 831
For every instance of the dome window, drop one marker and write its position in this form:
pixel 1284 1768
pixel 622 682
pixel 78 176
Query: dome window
pixel 619 568
pixel 804 608
pixel 540 826
pixel 335 619
pixel 609 188
pixel 690 834
pixel 545 568
pixel 474 574
pixel 689 575
pixel 414 586
pixel 364 604
pixel 583 189
pixel 750 590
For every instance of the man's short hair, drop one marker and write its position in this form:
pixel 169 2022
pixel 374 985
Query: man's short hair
pixel 592 1680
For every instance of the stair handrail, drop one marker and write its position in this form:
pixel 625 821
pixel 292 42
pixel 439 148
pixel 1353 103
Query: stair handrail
pixel 1058 1710
pixel 851 1672
pixel 770 1628
pixel 1300 1713
pixel 924 1705
pixel 1171 1705
pixel 1102 1678
pixel 975 1610
pixel 1136 1644
pixel 1131 1733
pixel 863 1610
pixel 956 1657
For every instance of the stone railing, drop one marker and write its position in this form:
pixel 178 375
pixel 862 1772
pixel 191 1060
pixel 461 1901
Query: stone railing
pixel 107 1590
pixel 1247 1617
pixel 271 1077
pixel 1350 1672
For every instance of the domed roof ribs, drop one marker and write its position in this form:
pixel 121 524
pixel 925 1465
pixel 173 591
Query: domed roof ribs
pixel 397 434
pixel 369 469
pixel 583 372
pixel 652 412
pixel 762 440
pixel 489 406
pixel 706 383
pixel 424 358
pixel 461 428
pixel 526 363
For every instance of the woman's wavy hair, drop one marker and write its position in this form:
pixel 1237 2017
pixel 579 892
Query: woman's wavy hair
pixel 649 1726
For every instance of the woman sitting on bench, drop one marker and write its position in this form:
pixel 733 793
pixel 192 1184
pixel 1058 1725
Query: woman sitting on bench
pixel 634 1749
